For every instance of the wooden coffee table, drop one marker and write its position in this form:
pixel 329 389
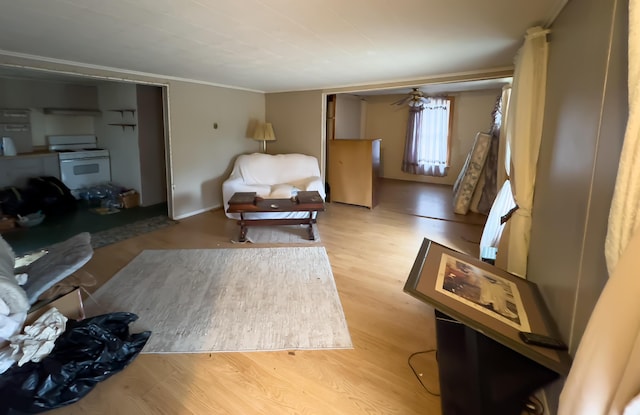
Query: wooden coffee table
pixel 248 202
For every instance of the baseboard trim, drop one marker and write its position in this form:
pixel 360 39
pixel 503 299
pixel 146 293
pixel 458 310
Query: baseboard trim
pixel 197 212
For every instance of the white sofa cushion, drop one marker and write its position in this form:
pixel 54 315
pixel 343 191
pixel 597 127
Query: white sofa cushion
pixel 260 168
pixel 278 176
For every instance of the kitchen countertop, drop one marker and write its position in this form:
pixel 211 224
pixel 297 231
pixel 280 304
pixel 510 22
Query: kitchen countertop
pixel 37 152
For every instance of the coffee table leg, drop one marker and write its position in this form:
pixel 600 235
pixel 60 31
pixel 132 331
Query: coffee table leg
pixel 312 237
pixel 243 229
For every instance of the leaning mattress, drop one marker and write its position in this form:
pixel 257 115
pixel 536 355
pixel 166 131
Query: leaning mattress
pixel 466 183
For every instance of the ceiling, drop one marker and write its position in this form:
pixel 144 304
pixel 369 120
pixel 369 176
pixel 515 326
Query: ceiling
pixel 275 45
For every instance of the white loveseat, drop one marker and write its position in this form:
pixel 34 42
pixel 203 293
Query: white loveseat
pixel 278 176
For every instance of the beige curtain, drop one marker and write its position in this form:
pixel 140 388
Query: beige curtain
pixel 524 133
pixel 605 374
pixel 624 216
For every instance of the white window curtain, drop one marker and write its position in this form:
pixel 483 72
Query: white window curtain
pixel 427 142
pixel 524 133
pixel 503 203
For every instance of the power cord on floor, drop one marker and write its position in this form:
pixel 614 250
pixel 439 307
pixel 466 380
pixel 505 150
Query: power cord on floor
pixel 419 375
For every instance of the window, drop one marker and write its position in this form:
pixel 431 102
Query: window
pixel 428 137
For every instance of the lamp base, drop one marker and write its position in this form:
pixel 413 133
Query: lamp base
pixel 263 146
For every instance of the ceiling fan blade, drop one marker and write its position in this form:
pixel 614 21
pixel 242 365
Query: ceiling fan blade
pixel 413 98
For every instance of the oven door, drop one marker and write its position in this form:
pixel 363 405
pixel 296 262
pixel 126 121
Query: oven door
pixel 85 172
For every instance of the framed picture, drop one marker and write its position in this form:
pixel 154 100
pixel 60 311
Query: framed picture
pixel 481 290
pixel 485 298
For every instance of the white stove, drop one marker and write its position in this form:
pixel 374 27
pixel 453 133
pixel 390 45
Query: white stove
pixel 71 147
pixel 82 153
pixel 82 163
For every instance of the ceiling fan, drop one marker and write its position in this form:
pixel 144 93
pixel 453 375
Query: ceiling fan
pixel 414 98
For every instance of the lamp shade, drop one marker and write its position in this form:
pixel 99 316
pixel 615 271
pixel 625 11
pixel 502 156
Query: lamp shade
pixel 264 132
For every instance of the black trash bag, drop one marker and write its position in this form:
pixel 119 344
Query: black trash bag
pixel 88 352
pixel 53 197
pixel 15 201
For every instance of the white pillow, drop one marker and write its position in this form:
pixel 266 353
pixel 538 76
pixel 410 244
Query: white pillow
pixel 281 191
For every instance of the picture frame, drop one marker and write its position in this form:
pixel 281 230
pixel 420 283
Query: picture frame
pixel 482 290
pixel 453 283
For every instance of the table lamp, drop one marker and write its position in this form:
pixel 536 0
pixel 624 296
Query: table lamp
pixel 264 132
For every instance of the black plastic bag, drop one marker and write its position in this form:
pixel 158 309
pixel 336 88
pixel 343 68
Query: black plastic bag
pixel 88 352
pixel 15 201
pixel 53 197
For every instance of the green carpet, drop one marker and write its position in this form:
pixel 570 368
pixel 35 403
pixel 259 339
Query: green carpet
pixel 104 229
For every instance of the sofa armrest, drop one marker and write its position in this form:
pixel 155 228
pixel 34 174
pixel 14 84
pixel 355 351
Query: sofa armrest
pixel 229 187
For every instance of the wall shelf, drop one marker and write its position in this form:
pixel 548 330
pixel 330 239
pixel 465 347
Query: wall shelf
pixel 122 111
pixel 125 125
pixel 72 111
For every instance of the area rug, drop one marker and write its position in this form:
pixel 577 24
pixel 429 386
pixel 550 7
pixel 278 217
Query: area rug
pixel 229 300
pixel 120 233
pixel 287 234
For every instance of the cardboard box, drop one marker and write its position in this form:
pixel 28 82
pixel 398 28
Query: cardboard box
pixel 69 304
pixel 130 199
pixel 7 223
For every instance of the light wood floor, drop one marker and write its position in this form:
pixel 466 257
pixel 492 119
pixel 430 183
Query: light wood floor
pixel 371 253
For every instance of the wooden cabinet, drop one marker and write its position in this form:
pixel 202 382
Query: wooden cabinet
pixel 354 171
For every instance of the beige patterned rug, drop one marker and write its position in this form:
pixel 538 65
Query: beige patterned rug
pixel 229 300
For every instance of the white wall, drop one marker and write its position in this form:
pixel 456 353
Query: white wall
pixel 122 143
pixel 202 157
pixel 39 94
pixel 348 116
pixel 584 122
pixel 43 125
pixel 472 113
pixel 32 93
pixel 298 121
